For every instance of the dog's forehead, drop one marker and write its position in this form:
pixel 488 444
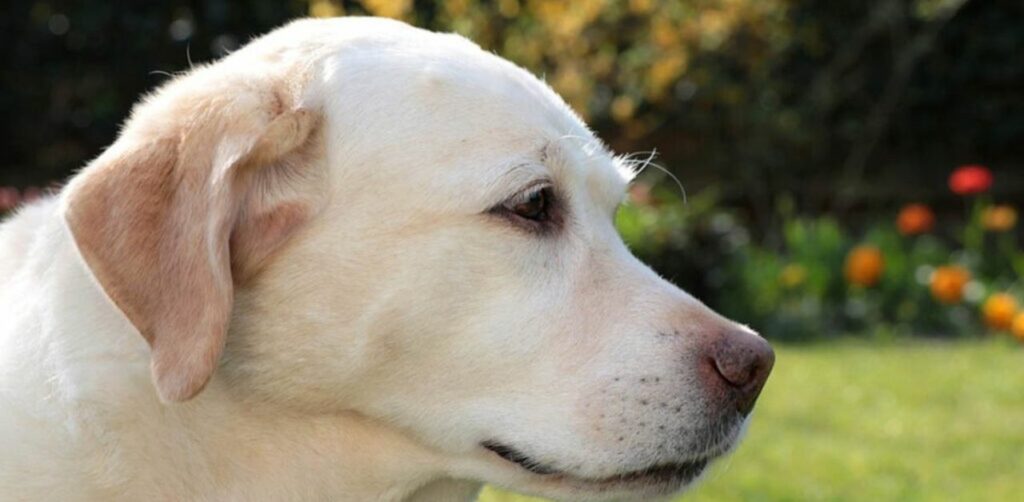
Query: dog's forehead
pixel 448 78
pixel 415 98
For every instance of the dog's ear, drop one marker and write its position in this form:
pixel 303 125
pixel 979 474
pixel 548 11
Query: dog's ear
pixel 204 183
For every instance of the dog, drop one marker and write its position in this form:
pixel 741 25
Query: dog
pixel 354 260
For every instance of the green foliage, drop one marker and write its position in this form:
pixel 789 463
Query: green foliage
pixel 666 221
pixel 793 295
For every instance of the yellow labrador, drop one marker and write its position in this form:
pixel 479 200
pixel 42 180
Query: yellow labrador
pixel 353 260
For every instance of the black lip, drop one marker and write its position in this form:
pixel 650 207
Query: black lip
pixel 683 471
pixel 518 458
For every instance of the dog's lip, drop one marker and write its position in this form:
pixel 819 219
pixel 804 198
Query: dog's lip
pixel 675 472
pixel 514 456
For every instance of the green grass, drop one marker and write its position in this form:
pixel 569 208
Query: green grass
pixel 861 421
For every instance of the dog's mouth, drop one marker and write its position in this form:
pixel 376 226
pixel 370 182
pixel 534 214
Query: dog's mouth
pixel 679 473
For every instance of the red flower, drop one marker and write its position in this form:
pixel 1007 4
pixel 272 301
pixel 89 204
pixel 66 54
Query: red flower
pixel 9 198
pixel 970 180
pixel 31 194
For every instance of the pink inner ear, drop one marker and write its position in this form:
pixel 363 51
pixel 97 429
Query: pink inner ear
pixel 257 237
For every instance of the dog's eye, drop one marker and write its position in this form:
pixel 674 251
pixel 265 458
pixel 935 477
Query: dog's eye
pixel 532 205
pixel 535 209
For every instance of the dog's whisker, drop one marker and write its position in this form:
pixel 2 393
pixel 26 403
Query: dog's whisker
pixel 639 166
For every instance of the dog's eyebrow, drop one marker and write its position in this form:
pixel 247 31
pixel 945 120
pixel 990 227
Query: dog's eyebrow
pixel 599 167
pixel 522 174
pixel 542 162
pixel 592 146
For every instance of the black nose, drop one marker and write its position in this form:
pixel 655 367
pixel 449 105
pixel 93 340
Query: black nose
pixel 743 360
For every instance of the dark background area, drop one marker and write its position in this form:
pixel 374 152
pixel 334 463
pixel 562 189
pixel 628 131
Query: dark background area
pixel 809 115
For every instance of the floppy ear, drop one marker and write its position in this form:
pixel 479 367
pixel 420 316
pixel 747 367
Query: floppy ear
pixel 191 199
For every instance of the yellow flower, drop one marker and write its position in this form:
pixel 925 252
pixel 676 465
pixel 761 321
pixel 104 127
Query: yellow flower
pixel 622 108
pixel 664 32
pixel 388 8
pixel 508 8
pixel 999 310
pixel 864 266
pixel 792 276
pixel 999 218
pixel 1018 327
pixel 948 283
pixel 664 72
pixel 325 8
pixel 639 6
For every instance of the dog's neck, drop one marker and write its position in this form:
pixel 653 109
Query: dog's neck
pixel 341 457
pixel 98 427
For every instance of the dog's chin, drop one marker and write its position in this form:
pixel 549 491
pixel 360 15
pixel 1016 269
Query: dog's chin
pixel 656 480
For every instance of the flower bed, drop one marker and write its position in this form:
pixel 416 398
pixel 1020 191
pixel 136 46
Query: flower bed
pixel 913 272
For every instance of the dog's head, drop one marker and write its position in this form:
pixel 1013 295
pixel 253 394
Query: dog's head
pixel 375 218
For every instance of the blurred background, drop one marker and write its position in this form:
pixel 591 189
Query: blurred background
pixel 852 174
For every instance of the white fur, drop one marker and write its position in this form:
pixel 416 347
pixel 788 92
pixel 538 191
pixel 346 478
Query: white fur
pixel 395 332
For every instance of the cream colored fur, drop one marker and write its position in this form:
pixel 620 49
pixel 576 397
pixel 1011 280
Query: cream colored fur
pixel 286 281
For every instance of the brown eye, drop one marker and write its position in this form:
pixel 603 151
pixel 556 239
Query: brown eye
pixel 534 206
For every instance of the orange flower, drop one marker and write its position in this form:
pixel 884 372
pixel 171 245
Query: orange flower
pixel 1018 327
pixel 999 218
pixel 999 310
pixel 864 266
pixel 970 180
pixel 948 283
pixel 915 219
pixel 640 194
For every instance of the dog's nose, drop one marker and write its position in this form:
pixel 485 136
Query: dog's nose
pixel 743 361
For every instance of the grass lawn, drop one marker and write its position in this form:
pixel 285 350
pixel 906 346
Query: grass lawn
pixel 879 422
